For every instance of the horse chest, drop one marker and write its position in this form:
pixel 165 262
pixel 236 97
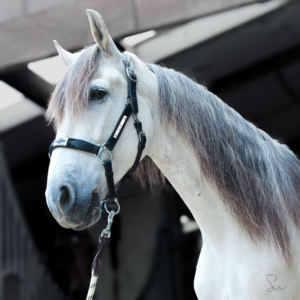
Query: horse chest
pixel 228 277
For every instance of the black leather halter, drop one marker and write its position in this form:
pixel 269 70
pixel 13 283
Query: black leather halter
pixel 131 107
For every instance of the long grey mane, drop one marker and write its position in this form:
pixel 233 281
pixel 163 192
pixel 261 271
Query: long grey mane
pixel 258 178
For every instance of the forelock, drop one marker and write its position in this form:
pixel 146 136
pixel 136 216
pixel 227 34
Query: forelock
pixel 71 94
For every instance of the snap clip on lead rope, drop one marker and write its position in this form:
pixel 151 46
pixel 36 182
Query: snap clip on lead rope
pixel 104 240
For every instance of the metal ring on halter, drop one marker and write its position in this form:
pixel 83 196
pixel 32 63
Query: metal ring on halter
pixel 101 150
pixel 116 201
pixel 127 72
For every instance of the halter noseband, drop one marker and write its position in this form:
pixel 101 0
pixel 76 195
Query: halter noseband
pixel 131 107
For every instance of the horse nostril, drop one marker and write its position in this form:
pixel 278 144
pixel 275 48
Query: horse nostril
pixel 65 200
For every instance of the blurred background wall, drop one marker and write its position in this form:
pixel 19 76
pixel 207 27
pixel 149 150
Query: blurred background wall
pixel 245 51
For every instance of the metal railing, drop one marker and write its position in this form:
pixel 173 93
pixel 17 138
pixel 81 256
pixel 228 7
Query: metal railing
pixel 22 275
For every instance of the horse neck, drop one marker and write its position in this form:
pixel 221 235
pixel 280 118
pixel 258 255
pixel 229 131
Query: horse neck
pixel 179 164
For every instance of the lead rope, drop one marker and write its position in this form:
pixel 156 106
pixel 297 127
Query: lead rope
pixel 104 240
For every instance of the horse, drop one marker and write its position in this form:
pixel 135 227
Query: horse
pixel 241 186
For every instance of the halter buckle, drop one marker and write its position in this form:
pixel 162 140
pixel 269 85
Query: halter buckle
pixel 127 101
pixel 140 135
pixel 135 118
pixel 128 74
pixel 101 150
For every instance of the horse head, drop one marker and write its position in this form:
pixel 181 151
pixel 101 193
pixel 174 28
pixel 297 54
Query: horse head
pixel 86 105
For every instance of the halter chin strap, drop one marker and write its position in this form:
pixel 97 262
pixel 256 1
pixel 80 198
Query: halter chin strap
pixel 105 152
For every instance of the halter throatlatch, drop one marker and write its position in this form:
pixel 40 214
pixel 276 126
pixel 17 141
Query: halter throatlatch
pixel 131 107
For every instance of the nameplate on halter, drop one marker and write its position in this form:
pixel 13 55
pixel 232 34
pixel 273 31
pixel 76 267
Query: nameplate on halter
pixel 120 127
pixel 60 142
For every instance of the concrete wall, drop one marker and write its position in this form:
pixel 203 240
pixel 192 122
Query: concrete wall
pixel 27 27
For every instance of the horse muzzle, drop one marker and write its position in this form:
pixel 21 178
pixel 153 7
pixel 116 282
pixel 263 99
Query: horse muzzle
pixel 73 209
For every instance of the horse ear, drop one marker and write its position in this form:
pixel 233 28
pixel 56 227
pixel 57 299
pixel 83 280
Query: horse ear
pixel 100 33
pixel 67 57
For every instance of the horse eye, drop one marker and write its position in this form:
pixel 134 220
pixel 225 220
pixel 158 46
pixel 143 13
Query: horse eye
pixel 97 94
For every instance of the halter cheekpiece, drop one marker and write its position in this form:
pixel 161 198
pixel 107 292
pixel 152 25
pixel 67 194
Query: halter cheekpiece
pixel 131 107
